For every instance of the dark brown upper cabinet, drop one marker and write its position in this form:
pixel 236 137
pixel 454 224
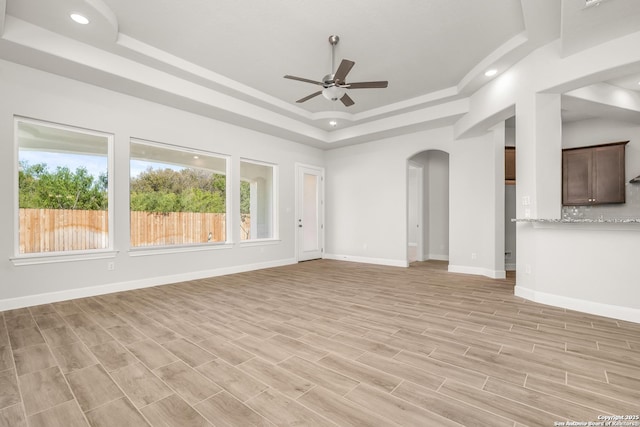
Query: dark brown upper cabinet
pixel 510 165
pixel 593 175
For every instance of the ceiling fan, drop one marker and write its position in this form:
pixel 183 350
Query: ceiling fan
pixel 334 83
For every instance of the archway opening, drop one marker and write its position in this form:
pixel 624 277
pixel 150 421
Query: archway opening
pixel 428 206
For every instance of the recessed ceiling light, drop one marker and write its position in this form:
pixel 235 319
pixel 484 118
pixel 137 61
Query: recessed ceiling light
pixel 491 72
pixel 196 157
pixel 333 123
pixel 80 19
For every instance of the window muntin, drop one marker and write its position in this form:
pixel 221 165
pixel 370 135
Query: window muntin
pixel 63 189
pixel 257 200
pixel 178 196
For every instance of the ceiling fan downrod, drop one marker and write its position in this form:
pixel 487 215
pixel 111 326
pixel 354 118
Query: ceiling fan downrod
pixel 333 41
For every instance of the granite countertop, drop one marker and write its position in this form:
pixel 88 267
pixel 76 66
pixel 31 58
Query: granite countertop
pixel 581 220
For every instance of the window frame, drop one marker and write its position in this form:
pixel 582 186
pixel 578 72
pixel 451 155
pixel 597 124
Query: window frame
pixel 184 247
pixel 275 233
pixel 72 255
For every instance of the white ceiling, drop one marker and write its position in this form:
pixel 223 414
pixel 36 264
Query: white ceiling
pixel 257 42
pixel 237 52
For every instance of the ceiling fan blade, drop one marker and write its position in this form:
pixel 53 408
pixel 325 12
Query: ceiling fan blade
pixel 302 79
pixel 343 69
pixel 366 85
pixel 308 97
pixel 346 100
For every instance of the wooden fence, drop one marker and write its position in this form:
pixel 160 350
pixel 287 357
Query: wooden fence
pixel 57 230
pixel 176 228
pixel 53 230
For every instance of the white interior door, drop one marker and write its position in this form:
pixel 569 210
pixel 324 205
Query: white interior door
pixel 310 209
pixel 415 251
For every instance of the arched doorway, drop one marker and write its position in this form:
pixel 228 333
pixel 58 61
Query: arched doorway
pixel 428 206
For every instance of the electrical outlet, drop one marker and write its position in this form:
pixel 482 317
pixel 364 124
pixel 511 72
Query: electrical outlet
pixel 474 255
pixel 527 268
pixel 111 266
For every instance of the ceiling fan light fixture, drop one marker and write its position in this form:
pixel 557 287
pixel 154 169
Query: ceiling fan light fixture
pixel 333 93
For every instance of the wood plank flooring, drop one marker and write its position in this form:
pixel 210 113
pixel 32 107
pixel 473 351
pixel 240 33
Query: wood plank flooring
pixel 321 343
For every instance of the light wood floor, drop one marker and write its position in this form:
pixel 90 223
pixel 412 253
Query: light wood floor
pixel 321 343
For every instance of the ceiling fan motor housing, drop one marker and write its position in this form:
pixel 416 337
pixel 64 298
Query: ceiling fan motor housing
pixel 328 81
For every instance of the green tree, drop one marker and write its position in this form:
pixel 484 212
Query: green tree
pixel 155 201
pixel 41 188
pixel 245 197
pixel 187 190
pixel 197 200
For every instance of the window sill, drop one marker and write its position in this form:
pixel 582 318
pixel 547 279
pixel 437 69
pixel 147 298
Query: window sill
pixel 34 259
pixel 260 242
pixel 159 250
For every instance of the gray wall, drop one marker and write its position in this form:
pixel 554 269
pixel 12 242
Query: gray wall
pixel 35 94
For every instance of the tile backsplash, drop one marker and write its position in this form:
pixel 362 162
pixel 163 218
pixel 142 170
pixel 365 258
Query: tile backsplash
pixel 630 209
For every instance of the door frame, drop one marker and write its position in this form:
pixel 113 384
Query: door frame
pixel 298 206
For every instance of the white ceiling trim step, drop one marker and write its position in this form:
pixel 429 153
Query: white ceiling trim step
pixel 603 93
pixel 156 58
pixel 78 60
pixel 603 100
pixel 172 64
pixel 450 111
pixel 31 45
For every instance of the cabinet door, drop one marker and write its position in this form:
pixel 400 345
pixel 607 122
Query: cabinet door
pixel 510 165
pixel 609 174
pixel 576 177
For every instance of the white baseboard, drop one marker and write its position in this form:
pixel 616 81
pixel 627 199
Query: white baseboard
pixel 607 310
pixel 367 260
pixel 438 257
pixel 49 297
pixel 478 271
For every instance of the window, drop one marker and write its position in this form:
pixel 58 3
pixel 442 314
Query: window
pixel 257 200
pixel 177 196
pixel 63 188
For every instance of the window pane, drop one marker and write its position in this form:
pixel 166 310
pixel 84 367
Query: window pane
pixel 177 196
pixel 256 201
pixel 62 188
